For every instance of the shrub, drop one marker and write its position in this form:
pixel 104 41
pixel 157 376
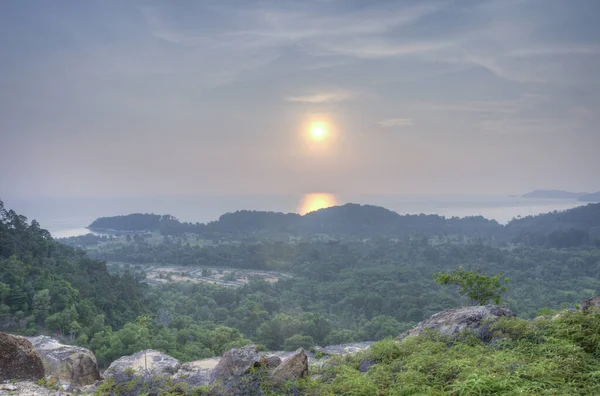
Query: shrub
pixel 298 341
pixel 479 288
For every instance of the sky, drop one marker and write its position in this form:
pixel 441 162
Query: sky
pixel 143 97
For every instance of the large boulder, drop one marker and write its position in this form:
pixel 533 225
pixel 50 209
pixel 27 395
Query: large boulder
pixel 292 368
pixel 236 362
pixel 273 361
pixel 344 349
pixel 590 304
pixel 29 389
pixel 452 322
pixel 196 373
pixel 149 360
pixel 19 359
pixel 72 364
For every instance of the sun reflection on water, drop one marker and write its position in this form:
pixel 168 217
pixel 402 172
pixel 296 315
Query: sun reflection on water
pixel 315 201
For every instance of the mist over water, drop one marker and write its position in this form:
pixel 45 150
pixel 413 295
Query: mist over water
pixel 65 217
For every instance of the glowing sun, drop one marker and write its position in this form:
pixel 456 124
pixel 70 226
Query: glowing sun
pixel 318 132
pixel 316 201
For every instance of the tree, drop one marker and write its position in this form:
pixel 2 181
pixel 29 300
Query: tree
pixel 380 327
pixel 298 341
pixel 340 336
pixel 41 304
pixel 479 288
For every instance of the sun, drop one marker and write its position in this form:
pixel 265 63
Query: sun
pixel 318 132
pixel 316 201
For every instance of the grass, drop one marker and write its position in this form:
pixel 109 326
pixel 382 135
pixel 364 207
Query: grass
pixel 558 356
pixel 552 355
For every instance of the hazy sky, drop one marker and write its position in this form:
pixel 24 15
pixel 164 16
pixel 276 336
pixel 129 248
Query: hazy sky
pixel 215 97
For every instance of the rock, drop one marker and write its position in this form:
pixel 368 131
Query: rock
pixel 89 389
pixel 451 322
pixel 236 362
pixel 590 304
pixel 19 359
pixel 72 364
pixel 273 361
pixel 344 349
pixel 196 373
pixel 29 389
pixel 153 361
pixel 365 365
pixel 294 367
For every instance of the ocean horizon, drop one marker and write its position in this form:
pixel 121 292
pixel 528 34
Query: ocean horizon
pixel 65 217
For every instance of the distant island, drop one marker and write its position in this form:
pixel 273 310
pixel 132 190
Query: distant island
pixel 359 222
pixel 561 194
pixel 593 197
pixel 554 194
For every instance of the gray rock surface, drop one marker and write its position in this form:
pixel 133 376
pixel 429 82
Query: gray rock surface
pixel 19 359
pixel 294 367
pixel 196 373
pixel 344 349
pixel 68 363
pixel 236 362
pixel 590 304
pixel 273 361
pixel 452 322
pixel 153 361
pixel 27 388
pixel 365 365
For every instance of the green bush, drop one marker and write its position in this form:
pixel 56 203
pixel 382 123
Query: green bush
pixel 554 356
pixel 479 288
pixel 298 341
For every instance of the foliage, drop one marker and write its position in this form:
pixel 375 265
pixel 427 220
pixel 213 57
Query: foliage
pixel 46 286
pixel 542 356
pixel 570 228
pixel 526 357
pixel 341 291
pixel 128 383
pixel 477 287
pixel 340 287
pixel 348 220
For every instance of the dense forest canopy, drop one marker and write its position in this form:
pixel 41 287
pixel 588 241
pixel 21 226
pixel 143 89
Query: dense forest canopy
pixel 44 284
pixel 579 225
pixel 339 287
pixel 347 220
pixel 593 197
pixel 50 288
pixel 573 227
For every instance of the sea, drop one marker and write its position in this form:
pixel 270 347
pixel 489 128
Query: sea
pixel 65 217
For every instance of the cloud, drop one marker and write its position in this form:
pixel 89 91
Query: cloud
pixel 323 97
pixel 318 27
pixel 396 122
pixel 372 48
pixel 476 69
pixel 524 102
pixel 508 126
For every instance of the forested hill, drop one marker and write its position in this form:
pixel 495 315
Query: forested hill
pixel 47 285
pixel 593 197
pixel 554 194
pixel 132 222
pixel 582 224
pixel 349 219
pixel 568 228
